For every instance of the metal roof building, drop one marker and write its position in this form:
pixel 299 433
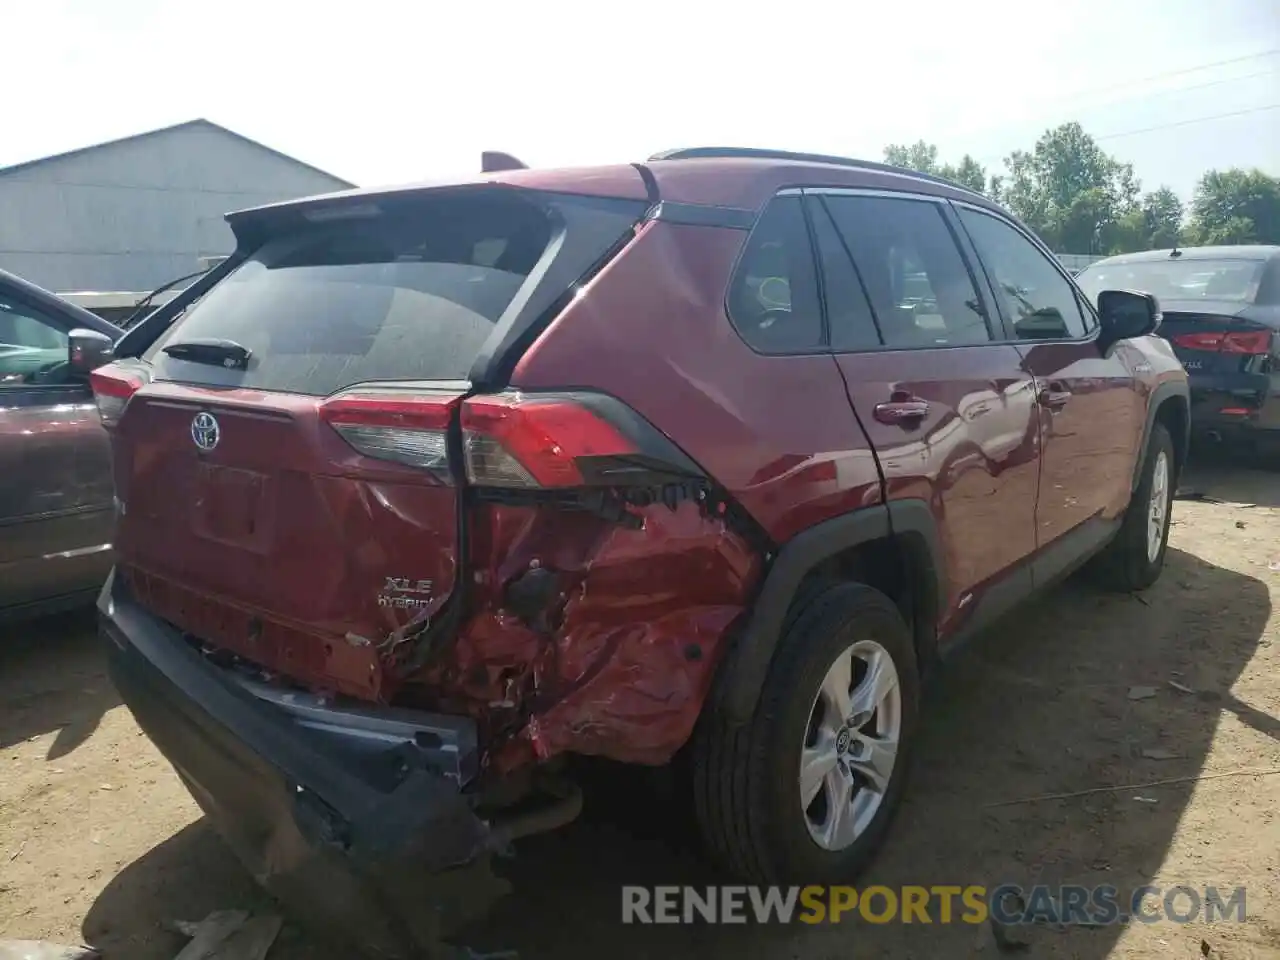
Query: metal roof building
pixel 132 214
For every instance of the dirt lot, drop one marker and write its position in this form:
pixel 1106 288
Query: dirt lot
pixel 99 842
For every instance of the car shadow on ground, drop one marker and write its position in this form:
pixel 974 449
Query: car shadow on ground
pixel 1038 706
pixel 52 679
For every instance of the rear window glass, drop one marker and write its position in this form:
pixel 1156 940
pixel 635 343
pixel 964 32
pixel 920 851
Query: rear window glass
pixel 407 295
pixel 1235 280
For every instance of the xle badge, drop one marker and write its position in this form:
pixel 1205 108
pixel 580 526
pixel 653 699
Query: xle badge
pixel 401 593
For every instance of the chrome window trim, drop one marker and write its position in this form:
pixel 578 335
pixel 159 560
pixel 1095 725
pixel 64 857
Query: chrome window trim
pixel 865 192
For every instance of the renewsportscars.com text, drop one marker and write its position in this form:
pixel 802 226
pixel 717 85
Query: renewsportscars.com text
pixel 1008 904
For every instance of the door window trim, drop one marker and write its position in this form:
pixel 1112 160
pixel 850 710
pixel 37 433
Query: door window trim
pixel 1006 322
pixel 964 248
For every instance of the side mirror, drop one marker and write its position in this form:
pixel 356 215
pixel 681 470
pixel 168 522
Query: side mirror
pixel 1125 314
pixel 87 350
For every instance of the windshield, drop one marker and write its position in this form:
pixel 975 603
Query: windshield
pixel 1235 280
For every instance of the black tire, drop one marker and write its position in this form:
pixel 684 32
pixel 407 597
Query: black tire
pixel 745 779
pixel 1125 564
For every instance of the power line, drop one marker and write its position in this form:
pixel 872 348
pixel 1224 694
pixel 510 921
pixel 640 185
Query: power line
pixel 1184 123
pixel 1198 86
pixel 1065 102
pixel 1172 73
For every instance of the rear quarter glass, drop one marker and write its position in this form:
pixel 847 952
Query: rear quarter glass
pixel 412 293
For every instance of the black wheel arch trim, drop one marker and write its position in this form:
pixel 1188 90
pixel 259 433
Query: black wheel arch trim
pixel 1163 392
pixel 908 523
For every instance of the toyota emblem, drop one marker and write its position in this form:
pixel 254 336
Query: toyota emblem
pixel 205 431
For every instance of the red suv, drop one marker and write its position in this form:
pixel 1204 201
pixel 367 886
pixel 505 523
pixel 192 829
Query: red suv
pixel 708 458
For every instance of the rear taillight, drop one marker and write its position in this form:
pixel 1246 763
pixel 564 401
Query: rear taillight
pixel 113 386
pixel 408 428
pixel 516 440
pixel 1250 343
pixel 511 440
pixel 1253 343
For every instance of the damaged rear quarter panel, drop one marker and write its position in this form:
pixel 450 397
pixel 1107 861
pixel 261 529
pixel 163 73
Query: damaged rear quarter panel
pixel 632 636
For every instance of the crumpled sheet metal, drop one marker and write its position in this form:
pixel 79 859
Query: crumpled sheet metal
pixel 636 632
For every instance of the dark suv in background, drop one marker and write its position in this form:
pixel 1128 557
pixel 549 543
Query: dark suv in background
pixel 1221 310
pixel 706 459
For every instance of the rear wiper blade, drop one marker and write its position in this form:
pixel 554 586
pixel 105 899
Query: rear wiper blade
pixel 218 353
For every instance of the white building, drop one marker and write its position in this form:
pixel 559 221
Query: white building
pixel 132 214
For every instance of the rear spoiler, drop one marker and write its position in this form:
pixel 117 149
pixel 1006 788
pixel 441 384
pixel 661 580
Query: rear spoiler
pixel 491 161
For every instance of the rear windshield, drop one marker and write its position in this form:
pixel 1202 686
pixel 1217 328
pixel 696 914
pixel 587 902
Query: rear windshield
pixel 1235 280
pixel 404 295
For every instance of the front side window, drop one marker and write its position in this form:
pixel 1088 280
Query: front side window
pixel 33 349
pixel 773 296
pixel 914 275
pixel 1038 300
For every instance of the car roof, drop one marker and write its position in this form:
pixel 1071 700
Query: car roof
pixel 40 297
pixel 717 176
pixel 1240 252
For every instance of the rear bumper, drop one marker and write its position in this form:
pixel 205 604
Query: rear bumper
pixel 1235 404
pixel 343 833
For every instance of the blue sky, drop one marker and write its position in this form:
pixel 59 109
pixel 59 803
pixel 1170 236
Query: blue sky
pixel 381 91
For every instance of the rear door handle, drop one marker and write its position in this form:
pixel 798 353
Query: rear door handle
pixel 904 412
pixel 1054 397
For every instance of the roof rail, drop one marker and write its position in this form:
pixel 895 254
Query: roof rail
pixel 757 153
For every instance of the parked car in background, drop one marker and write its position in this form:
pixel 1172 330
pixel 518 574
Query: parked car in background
pixel 705 459
pixel 56 510
pixel 1221 309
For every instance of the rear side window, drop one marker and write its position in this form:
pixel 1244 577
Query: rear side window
pixel 412 293
pixel 773 296
pixel 919 287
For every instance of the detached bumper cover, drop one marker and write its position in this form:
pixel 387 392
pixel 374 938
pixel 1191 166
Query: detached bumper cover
pixel 369 842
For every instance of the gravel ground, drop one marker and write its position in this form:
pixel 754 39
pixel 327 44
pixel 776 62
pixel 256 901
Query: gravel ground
pixel 99 842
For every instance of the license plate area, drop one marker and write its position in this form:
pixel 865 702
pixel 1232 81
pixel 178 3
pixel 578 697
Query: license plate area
pixel 232 506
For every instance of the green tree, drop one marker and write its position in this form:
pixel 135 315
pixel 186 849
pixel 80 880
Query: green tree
pixel 1236 206
pixel 919 156
pixel 1162 215
pixel 1152 225
pixel 923 157
pixel 1070 191
pixel 968 173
